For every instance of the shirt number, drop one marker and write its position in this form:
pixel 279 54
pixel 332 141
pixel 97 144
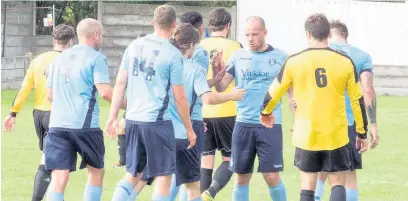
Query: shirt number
pixel 321 78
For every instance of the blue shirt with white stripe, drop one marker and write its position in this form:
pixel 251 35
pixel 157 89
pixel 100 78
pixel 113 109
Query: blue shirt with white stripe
pixel 72 78
pixel 153 65
pixel 362 62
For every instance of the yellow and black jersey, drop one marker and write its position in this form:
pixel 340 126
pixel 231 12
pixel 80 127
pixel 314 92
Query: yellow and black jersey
pixel 319 77
pixel 212 45
pixel 36 77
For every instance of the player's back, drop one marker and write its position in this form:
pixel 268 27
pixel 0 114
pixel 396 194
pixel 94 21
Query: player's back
pixel 72 78
pixel 150 61
pixel 40 65
pixel 200 55
pixel 212 45
pixel 362 62
pixel 320 77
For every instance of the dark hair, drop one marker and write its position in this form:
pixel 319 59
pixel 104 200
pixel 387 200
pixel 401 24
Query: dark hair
pixel 340 27
pixel 165 16
pixel 318 26
pixel 192 17
pixel 62 34
pixel 218 19
pixel 185 35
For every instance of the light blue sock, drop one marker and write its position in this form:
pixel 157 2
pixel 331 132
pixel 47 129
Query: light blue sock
pixel 160 198
pixel 241 193
pixel 122 191
pixel 132 196
pixel 183 193
pixel 173 188
pixel 319 190
pixel 53 196
pixel 92 193
pixel 197 199
pixel 278 192
pixel 351 194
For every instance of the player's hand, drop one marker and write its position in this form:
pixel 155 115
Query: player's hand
pixel 205 127
pixel 361 144
pixel 9 123
pixel 220 74
pixel 267 121
pixel 237 94
pixel 192 137
pixel 217 63
pixel 374 136
pixel 111 128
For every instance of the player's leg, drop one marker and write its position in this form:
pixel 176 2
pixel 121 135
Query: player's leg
pixel 121 143
pixel 309 164
pixel 269 149
pixel 90 146
pixel 321 179
pixel 356 163
pixel 208 156
pixel 337 163
pixel 60 158
pixel 135 163
pixel 242 160
pixel 160 144
pixel 223 129
pixel 42 177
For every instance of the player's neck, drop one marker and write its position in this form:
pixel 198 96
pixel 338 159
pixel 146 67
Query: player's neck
pixel 219 34
pixel 59 48
pixel 163 34
pixel 263 48
pixel 84 41
pixel 338 39
pixel 318 44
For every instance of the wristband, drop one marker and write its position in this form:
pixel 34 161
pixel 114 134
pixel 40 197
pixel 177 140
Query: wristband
pixel 362 136
pixel 13 114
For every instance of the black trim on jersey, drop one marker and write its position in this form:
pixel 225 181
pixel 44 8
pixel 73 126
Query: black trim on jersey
pixel 91 107
pixel 363 113
pixel 240 45
pixel 193 101
pixel 282 70
pixel 231 71
pixel 267 98
pixel 165 103
pixel 366 70
pixel 268 49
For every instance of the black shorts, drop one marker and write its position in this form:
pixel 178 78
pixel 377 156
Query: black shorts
pixel 187 163
pixel 355 156
pixel 41 122
pixel 337 160
pixel 218 135
pixel 63 145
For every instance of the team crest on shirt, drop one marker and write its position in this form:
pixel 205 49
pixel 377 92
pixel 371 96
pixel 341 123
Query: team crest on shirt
pixel 272 61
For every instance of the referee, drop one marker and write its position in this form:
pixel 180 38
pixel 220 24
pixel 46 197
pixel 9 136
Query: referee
pixel 36 77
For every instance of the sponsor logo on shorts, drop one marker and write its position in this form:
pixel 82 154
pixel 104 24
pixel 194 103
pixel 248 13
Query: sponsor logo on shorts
pixel 278 166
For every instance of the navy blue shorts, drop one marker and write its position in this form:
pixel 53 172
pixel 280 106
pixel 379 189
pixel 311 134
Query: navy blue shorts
pixel 151 145
pixel 188 163
pixel 62 146
pixel 249 140
pixel 355 157
pixel 198 127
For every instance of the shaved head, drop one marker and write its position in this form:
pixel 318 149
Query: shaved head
pixel 87 27
pixel 89 31
pixel 256 21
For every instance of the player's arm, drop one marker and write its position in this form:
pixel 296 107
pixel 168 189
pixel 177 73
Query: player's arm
pixel 357 102
pixel 277 89
pixel 26 88
pixel 180 98
pixel 225 73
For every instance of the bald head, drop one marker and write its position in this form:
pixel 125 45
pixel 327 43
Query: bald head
pixel 88 27
pixel 256 22
pixel 89 32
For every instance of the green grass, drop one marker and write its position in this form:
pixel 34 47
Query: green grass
pixel 384 177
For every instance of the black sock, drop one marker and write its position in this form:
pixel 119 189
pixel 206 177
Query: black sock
pixel 41 181
pixel 338 193
pixel 306 195
pixel 121 149
pixel 221 178
pixel 206 178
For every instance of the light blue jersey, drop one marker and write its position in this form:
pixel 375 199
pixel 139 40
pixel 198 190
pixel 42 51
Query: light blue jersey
pixel 153 65
pixel 254 72
pixel 72 78
pixel 362 62
pixel 195 85
pixel 200 55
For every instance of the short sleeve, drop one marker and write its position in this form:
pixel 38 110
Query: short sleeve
pixel 367 64
pixel 200 82
pixel 231 64
pixel 202 58
pixel 101 70
pixel 176 70
pixel 50 75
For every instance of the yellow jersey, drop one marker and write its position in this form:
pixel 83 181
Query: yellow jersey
pixel 320 77
pixel 36 77
pixel 212 45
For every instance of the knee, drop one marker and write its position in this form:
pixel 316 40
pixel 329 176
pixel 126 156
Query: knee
pixel 227 159
pixel 243 179
pixel 272 178
pixel 95 175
